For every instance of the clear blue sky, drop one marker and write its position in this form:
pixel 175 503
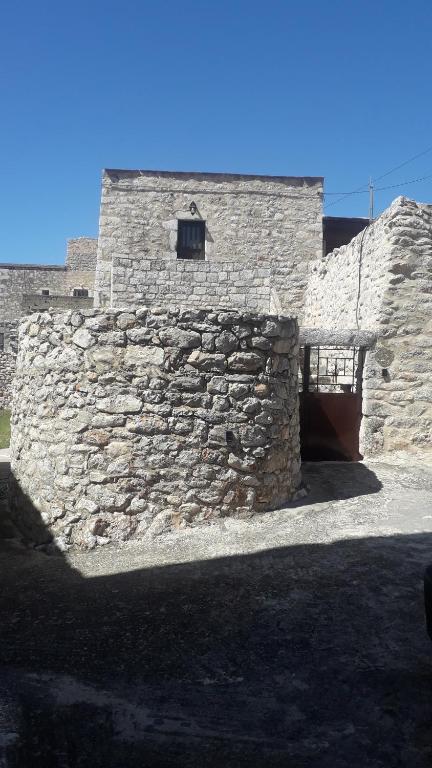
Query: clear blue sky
pixel 336 88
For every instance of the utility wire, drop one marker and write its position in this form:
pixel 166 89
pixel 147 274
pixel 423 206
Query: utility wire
pixel 359 191
pixel 364 188
pixel 403 183
pixel 380 189
pixel 410 160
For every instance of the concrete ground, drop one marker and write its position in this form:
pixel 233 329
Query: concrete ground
pixel 295 639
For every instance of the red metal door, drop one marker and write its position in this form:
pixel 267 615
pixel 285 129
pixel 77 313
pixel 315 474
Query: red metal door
pixel 330 425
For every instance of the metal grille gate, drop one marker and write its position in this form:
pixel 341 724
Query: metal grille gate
pixel 330 403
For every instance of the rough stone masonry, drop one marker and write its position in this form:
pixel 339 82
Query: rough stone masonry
pixel 128 423
pixel 258 229
pixel 381 282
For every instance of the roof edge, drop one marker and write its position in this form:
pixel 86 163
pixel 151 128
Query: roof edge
pixel 38 267
pixel 214 174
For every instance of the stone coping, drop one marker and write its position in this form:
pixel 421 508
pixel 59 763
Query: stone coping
pixel 345 338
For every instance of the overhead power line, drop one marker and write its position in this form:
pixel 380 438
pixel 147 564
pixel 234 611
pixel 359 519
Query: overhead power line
pixel 404 183
pixel 410 160
pixel 365 187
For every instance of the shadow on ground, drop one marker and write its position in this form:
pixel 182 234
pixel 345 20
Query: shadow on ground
pixel 342 480
pixel 306 656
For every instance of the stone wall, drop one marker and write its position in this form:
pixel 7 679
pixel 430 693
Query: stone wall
pixel 249 219
pixel 34 302
pixel 17 280
pixel 191 283
pixel 381 282
pixel 126 424
pixel 81 254
pixel 21 287
pixel 9 330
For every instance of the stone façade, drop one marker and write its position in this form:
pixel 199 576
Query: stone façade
pixel 253 225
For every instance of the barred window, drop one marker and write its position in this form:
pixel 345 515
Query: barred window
pixel 82 292
pixel 191 240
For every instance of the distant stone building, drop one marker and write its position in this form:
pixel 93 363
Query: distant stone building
pixel 25 288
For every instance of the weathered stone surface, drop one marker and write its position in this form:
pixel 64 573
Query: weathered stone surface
pixel 176 337
pixel 99 437
pixel 217 385
pixel 207 362
pixel 139 335
pixel 114 338
pixel 126 320
pixel 136 356
pixel 83 338
pixel 119 404
pixel 238 390
pixel 87 506
pixel 245 361
pixel 128 441
pixel 394 313
pixel 186 383
pixel 226 342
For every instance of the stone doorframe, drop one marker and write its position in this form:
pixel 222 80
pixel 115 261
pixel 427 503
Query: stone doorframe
pixel 365 340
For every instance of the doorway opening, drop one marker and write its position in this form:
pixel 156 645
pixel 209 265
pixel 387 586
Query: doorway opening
pixel 330 402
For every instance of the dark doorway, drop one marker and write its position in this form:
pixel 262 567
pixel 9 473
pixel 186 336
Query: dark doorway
pixel 331 403
pixel 191 240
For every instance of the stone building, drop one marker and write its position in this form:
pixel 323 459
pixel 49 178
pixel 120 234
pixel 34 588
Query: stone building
pixel 180 389
pixel 25 288
pixel 207 239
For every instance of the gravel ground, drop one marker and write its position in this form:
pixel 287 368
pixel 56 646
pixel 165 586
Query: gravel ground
pixel 296 639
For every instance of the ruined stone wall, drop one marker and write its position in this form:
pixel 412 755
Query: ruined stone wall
pixel 191 283
pixel 249 219
pixel 81 254
pixel 126 424
pixel 381 282
pixel 345 288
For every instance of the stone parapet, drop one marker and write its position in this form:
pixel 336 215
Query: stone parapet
pixel 127 423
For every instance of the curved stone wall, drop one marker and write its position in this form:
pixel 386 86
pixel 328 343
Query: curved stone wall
pixel 128 423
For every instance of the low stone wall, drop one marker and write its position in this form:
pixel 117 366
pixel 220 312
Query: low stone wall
pixel 34 302
pixel 192 283
pixel 128 423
